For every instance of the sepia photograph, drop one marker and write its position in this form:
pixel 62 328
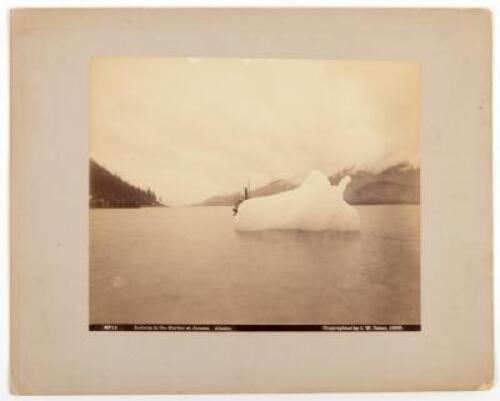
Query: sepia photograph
pixel 291 198
pixel 254 194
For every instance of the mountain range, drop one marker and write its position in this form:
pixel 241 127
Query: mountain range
pixel 397 184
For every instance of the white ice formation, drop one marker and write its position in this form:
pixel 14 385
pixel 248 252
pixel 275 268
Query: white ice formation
pixel 315 205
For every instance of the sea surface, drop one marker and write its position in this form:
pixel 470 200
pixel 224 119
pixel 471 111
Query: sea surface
pixel 189 266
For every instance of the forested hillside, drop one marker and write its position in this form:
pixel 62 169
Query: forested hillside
pixel 110 190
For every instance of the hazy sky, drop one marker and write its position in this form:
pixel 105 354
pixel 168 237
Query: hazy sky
pixel 192 128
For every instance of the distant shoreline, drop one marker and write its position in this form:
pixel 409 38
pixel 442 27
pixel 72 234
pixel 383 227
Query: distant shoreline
pixel 126 207
pixel 185 206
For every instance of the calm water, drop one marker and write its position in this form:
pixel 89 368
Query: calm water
pixel 188 265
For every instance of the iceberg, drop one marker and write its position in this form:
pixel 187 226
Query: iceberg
pixel 315 205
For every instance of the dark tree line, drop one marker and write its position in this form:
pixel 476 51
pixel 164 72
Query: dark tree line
pixel 110 190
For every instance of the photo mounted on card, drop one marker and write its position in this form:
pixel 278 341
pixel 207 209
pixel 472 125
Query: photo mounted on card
pixel 254 194
pixel 254 186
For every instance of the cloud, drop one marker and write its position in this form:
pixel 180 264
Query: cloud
pixel 192 128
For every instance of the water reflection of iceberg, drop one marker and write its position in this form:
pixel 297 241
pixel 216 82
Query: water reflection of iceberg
pixel 315 205
pixel 295 237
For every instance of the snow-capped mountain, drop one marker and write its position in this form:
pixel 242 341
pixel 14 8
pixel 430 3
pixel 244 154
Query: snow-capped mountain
pixel 395 184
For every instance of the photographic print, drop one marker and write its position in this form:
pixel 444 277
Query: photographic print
pixel 200 192
pixel 254 194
